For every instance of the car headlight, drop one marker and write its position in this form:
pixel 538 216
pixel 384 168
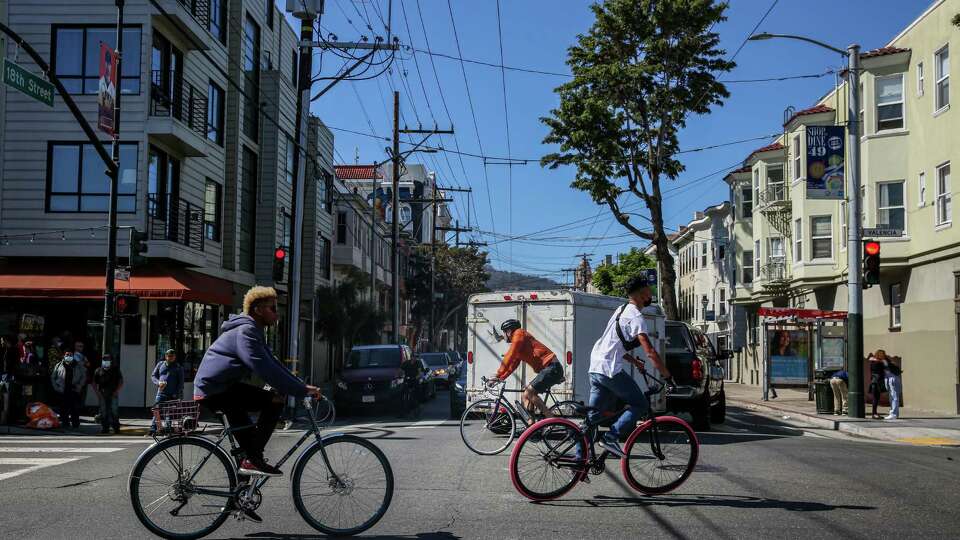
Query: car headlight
pixel 396 382
pixel 458 387
pixel 341 385
pixel 440 372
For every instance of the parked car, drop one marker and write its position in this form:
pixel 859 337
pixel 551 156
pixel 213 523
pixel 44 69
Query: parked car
pixel 458 390
pixel 371 376
pixel 428 381
pixel 695 366
pixel 437 365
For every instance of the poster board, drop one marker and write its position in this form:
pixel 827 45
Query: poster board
pixel 789 355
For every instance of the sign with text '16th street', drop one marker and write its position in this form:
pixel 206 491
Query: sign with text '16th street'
pixel 28 83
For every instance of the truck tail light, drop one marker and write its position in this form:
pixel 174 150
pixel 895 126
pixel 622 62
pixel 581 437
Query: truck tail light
pixel 696 369
pixel 507 297
pixel 470 357
pixel 569 358
pixel 533 296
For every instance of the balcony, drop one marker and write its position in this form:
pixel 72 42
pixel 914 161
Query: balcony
pixel 775 276
pixel 175 220
pixel 178 114
pixel 775 195
pixel 774 204
pixel 189 17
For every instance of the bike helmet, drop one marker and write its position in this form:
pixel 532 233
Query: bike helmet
pixel 509 325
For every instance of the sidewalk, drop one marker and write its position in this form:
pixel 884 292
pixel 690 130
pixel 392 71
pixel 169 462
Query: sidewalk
pixel 913 427
pixel 135 426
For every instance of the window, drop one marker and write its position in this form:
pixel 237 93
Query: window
pixel 890 205
pixel 756 182
pixel 922 186
pixel 775 252
pixel 843 225
pixel 218 18
pixel 889 102
pixel 920 79
pixel 163 185
pixel 723 302
pixel 76 61
pixel 248 208
pixel 746 197
pixel 294 68
pixel 325 190
pixel 356 232
pixel 287 229
pixel 944 214
pixel 325 258
pixel 775 189
pixel 941 63
pixel 268 12
pixel 289 168
pixel 341 228
pixel 212 202
pixel 251 70
pixel 895 301
pixel 795 149
pixel 797 240
pixel 756 258
pixel 722 255
pixel 703 255
pixel 821 237
pixel 77 180
pixel 215 104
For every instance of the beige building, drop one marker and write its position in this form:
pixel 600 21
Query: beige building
pixel 791 250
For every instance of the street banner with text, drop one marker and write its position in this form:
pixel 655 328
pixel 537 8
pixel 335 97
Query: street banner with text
pixel 825 162
pixel 107 94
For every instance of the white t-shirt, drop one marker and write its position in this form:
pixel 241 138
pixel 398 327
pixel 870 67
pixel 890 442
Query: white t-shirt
pixel 606 357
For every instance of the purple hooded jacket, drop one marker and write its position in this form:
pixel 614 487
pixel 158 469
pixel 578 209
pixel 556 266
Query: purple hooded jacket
pixel 240 350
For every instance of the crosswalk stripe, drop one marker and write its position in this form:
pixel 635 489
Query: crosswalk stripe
pixel 427 424
pixel 76 440
pixel 54 449
pixel 33 464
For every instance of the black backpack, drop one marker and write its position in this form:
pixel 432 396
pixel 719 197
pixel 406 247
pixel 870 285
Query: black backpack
pixel 628 345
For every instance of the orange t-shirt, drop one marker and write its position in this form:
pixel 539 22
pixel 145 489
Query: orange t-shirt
pixel 526 348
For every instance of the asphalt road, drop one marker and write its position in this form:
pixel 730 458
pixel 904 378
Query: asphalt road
pixel 756 478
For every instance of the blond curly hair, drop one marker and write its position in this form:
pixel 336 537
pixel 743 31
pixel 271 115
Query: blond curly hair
pixel 255 295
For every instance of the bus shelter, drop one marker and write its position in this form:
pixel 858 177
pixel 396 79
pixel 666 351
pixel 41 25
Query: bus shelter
pixel 799 342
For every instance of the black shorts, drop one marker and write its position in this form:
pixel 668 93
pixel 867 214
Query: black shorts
pixel 548 376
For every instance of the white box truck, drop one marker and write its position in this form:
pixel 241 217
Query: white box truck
pixel 567 322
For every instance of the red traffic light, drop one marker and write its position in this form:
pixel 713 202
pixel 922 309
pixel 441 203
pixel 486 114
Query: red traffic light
pixel 280 253
pixel 871 248
pixel 122 304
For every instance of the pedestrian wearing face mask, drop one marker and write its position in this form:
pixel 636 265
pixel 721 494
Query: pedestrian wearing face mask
pixel 168 376
pixel 107 381
pixel 67 380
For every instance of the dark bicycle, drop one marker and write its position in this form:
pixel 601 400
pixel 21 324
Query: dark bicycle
pixel 488 426
pixel 411 402
pixel 185 486
pixel 555 454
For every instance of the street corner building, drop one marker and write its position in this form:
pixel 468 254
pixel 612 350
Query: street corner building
pixel 207 169
pixel 788 236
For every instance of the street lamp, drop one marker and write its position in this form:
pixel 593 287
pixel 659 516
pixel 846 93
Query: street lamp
pixel 854 233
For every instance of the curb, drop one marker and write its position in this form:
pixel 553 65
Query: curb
pixel 805 418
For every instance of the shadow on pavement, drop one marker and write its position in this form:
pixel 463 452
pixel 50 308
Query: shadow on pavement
pixel 728 501
pixel 418 536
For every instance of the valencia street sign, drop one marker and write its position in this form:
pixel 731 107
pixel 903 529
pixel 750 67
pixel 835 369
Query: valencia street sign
pixel 28 83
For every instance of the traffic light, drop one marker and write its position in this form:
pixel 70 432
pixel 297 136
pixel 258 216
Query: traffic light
pixel 279 264
pixel 126 305
pixel 138 246
pixel 871 264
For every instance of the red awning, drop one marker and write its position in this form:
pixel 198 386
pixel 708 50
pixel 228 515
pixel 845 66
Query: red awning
pixel 87 282
pixel 801 313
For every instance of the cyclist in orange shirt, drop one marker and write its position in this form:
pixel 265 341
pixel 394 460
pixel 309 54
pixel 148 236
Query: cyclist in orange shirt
pixel 525 348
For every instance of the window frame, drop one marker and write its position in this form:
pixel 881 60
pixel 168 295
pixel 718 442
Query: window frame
pixel 341 228
pixel 939 78
pixel 902 207
pixel 877 105
pixel 289 160
pixel 920 79
pixel 746 203
pixel 703 255
pixel 798 240
pixel 250 109
pixel 295 70
pixel 212 230
pixel 214 88
pixel 221 20
pixel 896 303
pixel 814 238
pixel 756 258
pixel 54 64
pixel 946 217
pixel 796 162
pixel 79 194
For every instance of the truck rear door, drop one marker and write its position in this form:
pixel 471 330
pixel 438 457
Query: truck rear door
pixel 551 323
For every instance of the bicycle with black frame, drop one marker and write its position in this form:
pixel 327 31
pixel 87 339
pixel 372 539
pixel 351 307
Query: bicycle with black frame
pixel 186 485
pixel 555 454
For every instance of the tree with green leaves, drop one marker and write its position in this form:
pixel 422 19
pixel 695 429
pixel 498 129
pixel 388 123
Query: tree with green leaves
pixel 458 273
pixel 611 279
pixel 344 317
pixel 641 69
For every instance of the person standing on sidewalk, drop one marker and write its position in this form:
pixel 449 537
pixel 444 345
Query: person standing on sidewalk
pixel 838 382
pixel 168 376
pixel 67 380
pixel 876 382
pixel 107 381
pixel 891 374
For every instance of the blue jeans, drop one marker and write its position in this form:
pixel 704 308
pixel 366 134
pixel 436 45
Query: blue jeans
pixel 159 399
pixel 603 392
pixel 894 389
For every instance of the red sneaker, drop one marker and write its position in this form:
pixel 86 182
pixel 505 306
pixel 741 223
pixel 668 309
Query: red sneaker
pixel 258 467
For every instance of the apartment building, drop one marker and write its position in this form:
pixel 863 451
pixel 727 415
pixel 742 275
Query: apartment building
pixel 791 249
pixel 206 158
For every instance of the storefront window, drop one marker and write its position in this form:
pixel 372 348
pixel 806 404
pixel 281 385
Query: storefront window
pixel 188 328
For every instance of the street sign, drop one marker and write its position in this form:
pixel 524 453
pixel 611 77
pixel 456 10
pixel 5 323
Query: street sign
pixel 121 274
pixel 881 232
pixel 28 83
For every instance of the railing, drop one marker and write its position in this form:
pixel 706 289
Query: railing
pixel 175 220
pixel 199 10
pixel 774 193
pixel 171 96
pixel 775 270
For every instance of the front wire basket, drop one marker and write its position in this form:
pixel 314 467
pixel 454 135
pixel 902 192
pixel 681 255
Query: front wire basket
pixel 176 417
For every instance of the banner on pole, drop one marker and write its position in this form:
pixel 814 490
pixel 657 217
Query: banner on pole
pixel 825 162
pixel 107 94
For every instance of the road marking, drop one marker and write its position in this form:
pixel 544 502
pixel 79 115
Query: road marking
pixel 930 441
pixel 427 424
pixel 55 449
pixel 33 464
pixel 74 440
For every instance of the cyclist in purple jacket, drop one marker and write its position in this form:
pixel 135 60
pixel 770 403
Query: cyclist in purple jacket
pixel 241 350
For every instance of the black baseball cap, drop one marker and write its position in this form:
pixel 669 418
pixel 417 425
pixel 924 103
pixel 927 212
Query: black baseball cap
pixel 636 283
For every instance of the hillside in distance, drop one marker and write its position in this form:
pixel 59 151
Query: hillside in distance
pixel 502 280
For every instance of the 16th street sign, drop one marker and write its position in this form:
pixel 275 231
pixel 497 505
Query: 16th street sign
pixel 28 83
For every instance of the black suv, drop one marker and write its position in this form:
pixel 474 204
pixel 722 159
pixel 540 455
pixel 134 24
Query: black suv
pixel 695 366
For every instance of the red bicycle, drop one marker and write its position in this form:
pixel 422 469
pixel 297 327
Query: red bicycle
pixel 555 454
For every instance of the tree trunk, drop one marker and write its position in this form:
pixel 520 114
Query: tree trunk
pixel 668 277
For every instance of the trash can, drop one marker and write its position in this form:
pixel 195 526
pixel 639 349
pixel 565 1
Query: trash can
pixel 823 393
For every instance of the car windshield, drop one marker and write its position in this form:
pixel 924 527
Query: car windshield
pixel 437 359
pixel 676 340
pixel 373 358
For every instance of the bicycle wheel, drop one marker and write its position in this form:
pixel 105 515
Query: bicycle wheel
pixel 351 499
pixel 487 429
pixel 544 464
pixel 653 474
pixel 163 487
pixel 567 409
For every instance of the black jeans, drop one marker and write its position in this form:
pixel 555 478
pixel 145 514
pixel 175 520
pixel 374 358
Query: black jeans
pixel 70 409
pixel 235 403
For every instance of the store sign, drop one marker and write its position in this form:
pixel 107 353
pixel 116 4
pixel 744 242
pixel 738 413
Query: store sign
pixel 825 162
pixel 31 324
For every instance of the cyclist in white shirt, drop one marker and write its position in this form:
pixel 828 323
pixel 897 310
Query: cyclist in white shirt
pixel 626 330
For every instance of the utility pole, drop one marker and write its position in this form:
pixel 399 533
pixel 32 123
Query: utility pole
pixel 433 268
pixel 395 230
pixel 114 173
pixel 373 237
pixel 854 240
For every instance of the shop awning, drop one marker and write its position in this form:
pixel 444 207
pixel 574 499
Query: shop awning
pixel 83 281
pixel 800 313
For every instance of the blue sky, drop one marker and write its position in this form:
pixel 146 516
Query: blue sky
pixel 536 35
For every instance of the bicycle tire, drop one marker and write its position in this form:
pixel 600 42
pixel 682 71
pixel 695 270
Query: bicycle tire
pixel 162 450
pixel 567 409
pixel 533 449
pixel 677 440
pixel 500 425
pixel 343 471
